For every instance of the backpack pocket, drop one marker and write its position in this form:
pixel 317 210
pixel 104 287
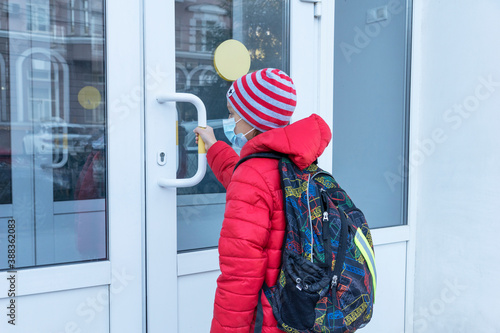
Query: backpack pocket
pixel 304 284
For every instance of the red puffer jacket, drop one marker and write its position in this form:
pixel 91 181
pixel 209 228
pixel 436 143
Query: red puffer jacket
pixel 254 223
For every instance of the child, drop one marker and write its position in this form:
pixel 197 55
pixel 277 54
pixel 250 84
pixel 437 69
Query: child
pixel 260 106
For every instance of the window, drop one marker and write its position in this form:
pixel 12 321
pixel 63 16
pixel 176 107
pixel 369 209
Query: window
pixel 80 16
pixel 371 105
pixel 38 18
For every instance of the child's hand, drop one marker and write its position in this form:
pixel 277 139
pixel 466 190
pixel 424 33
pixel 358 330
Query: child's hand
pixel 207 134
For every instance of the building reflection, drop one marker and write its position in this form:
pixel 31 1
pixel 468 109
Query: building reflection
pixel 52 128
pixel 50 50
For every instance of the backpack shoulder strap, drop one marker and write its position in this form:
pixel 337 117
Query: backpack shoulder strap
pixel 274 155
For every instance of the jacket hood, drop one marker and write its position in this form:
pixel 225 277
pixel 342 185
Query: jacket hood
pixel 303 141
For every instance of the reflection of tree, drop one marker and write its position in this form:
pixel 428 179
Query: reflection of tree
pixel 263 30
pixel 264 33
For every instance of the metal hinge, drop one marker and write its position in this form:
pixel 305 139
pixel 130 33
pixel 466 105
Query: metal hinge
pixel 317 6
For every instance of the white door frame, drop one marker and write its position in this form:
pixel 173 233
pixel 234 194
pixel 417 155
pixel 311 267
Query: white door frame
pixel 126 201
pixel 161 205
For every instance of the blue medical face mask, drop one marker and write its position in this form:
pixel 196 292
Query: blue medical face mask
pixel 239 139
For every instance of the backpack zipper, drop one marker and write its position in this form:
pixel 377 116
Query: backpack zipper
pixel 310 218
pixel 341 250
pixel 327 243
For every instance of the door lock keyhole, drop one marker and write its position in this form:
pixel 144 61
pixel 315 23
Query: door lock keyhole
pixel 161 158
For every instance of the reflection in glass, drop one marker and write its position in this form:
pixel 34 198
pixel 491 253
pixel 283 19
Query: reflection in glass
pixel 52 130
pixel 200 27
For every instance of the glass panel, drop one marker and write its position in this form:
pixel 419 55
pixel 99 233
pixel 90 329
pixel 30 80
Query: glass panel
pixel 370 116
pixel 200 27
pixel 52 131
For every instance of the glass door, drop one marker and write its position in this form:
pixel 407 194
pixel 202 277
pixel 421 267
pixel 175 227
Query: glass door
pixel 183 222
pixel 61 191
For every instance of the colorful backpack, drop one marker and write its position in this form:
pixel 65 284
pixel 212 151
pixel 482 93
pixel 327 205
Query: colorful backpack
pixel 328 279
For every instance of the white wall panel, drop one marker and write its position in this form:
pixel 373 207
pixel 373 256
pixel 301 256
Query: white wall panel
pixel 455 157
pixel 83 310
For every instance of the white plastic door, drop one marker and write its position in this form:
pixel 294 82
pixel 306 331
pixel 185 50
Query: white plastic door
pixel 71 230
pixel 183 223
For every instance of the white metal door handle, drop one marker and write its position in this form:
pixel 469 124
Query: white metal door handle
pixel 202 155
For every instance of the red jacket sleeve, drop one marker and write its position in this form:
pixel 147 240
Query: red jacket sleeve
pixel 242 257
pixel 222 159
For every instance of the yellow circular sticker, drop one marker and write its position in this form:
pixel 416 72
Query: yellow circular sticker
pixel 89 97
pixel 231 60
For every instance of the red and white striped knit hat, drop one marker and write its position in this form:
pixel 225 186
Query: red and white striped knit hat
pixel 265 99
